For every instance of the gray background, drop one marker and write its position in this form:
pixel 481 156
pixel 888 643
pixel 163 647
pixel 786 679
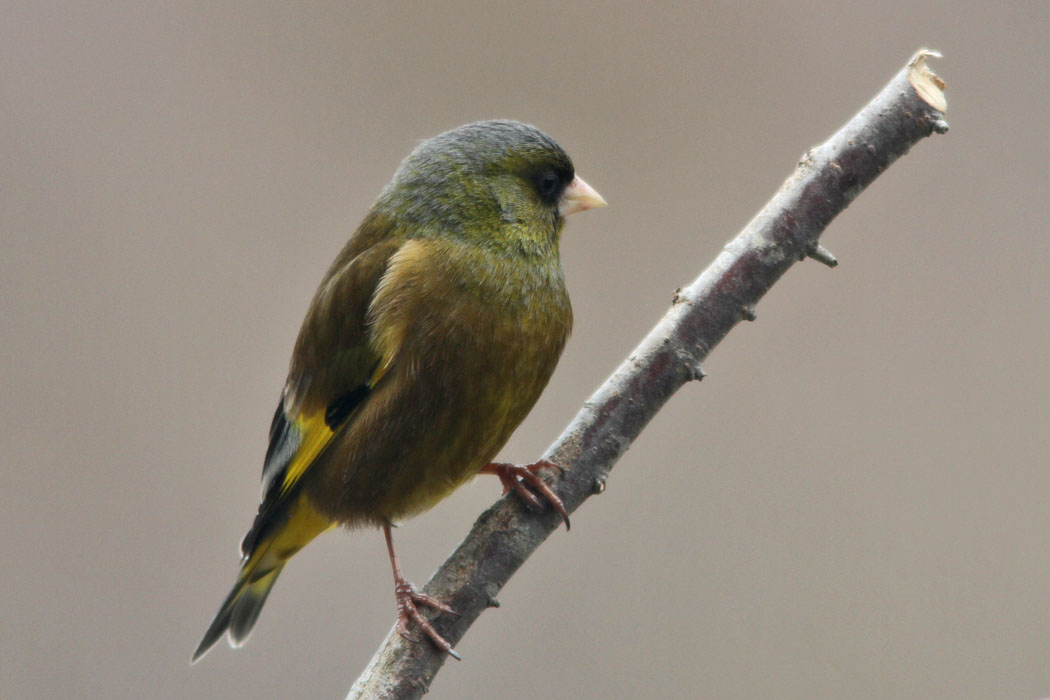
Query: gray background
pixel 855 503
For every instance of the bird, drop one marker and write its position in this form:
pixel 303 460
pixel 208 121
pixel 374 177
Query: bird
pixel 428 341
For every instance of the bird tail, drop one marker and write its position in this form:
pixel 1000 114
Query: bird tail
pixel 262 566
pixel 240 610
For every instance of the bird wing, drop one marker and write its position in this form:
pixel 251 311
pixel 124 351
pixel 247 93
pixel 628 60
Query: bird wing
pixel 334 367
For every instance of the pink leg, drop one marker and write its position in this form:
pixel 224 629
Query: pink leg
pixel 408 598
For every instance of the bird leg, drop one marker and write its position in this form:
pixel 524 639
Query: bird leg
pixel 518 477
pixel 408 598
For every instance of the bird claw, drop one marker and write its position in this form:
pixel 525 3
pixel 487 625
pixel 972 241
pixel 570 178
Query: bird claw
pixel 408 598
pixel 518 477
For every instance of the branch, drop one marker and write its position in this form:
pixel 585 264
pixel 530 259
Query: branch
pixel 787 230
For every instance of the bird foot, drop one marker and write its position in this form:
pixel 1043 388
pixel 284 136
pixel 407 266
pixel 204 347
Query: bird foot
pixel 518 478
pixel 408 598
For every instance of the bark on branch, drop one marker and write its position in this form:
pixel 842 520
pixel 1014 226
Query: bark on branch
pixel 785 231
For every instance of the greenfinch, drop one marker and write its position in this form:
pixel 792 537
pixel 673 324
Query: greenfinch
pixel 428 341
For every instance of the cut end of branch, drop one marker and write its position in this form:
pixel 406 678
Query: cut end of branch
pixel 927 84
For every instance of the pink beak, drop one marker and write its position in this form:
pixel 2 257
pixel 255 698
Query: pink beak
pixel 579 196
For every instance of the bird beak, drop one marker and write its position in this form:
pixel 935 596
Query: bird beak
pixel 579 196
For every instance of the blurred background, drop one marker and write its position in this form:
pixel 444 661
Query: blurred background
pixel 854 503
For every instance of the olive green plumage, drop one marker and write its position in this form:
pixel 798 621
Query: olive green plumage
pixel 428 341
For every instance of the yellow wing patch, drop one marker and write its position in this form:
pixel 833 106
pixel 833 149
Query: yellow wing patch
pixel 314 437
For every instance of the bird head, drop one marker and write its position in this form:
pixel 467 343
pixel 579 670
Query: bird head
pixel 496 183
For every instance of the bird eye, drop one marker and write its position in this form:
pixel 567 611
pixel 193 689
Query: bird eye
pixel 548 184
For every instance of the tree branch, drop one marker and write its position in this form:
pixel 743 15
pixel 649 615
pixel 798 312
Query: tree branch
pixel 787 230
